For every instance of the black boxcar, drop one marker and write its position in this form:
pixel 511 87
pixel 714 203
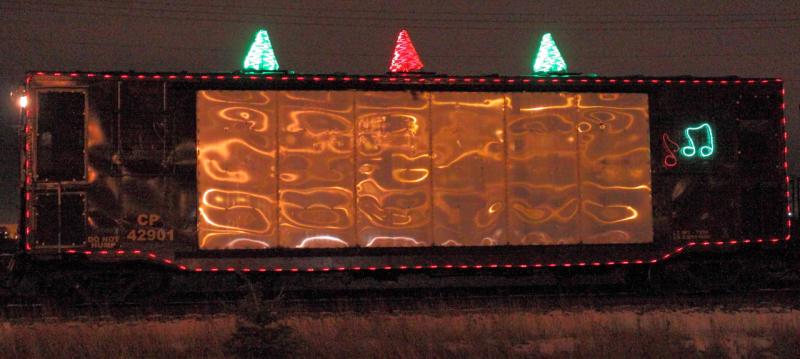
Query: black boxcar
pixel 280 172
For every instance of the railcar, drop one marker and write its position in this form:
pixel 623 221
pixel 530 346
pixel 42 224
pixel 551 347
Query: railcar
pixel 317 174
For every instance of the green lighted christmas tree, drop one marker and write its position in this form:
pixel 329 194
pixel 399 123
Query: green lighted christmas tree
pixel 548 59
pixel 261 56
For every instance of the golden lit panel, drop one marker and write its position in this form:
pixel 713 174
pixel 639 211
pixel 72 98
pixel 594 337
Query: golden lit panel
pixel 614 153
pixel 579 168
pixel 404 168
pixel 392 169
pixel 316 169
pixel 468 168
pixel 542 169
pixel 236 169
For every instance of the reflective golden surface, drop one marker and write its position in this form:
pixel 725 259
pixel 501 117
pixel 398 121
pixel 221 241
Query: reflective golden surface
pixel 579 168
pixel 543 192
pixel 614 168
pixel 468 168
pixel 393 169
pixel 236 169
pixel 402 168
pixel 316 169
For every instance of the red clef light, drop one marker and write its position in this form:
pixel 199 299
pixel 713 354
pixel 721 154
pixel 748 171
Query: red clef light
pixel 670 148
pixel 405 58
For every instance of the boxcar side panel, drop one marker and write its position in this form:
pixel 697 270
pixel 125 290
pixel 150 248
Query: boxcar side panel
pixel 236 165
pixel 469 187
pixel 316 169
pixel 422 168
pixel 393 165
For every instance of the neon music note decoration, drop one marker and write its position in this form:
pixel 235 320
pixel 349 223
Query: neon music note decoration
pixel 670 160
pixel 691 150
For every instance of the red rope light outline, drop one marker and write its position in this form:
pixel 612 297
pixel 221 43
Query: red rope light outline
pixel 27 170
pixel 152 256
pixel 393 78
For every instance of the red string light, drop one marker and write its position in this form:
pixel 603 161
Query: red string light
pixel 385 79
pixel 154 257
pixel 405 58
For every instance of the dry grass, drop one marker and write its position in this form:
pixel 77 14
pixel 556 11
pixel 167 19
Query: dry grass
pixel 196 338
pixel 759 333
pixel 585 334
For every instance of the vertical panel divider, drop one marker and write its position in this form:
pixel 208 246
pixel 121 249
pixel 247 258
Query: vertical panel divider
pixel 507 205
pixel 277 170
pixel 117 134
pixel 118 145
pixel 166 127
pixel 575 123
pixel 432 230
pixel 355 171
pixel 119 118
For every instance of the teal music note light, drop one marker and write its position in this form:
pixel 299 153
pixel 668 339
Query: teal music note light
pixel 691 150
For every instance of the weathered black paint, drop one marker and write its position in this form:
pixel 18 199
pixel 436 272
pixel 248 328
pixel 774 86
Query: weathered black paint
pixel 145 164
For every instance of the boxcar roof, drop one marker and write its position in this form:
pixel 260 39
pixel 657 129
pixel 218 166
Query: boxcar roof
pixel 399 79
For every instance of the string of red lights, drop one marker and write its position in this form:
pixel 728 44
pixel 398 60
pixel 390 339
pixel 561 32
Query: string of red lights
pixel 183 267
pixel 407 78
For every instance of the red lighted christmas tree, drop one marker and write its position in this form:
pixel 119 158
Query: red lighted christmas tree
pixel 405 58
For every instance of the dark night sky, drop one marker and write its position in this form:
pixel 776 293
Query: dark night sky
pixel 745 38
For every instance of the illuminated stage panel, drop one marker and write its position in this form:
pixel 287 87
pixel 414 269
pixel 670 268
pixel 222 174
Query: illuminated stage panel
pixel 614 153
pixel 542 169
pixel 236 181
pixel 316 169
pixel 393 161
pixel 468 168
